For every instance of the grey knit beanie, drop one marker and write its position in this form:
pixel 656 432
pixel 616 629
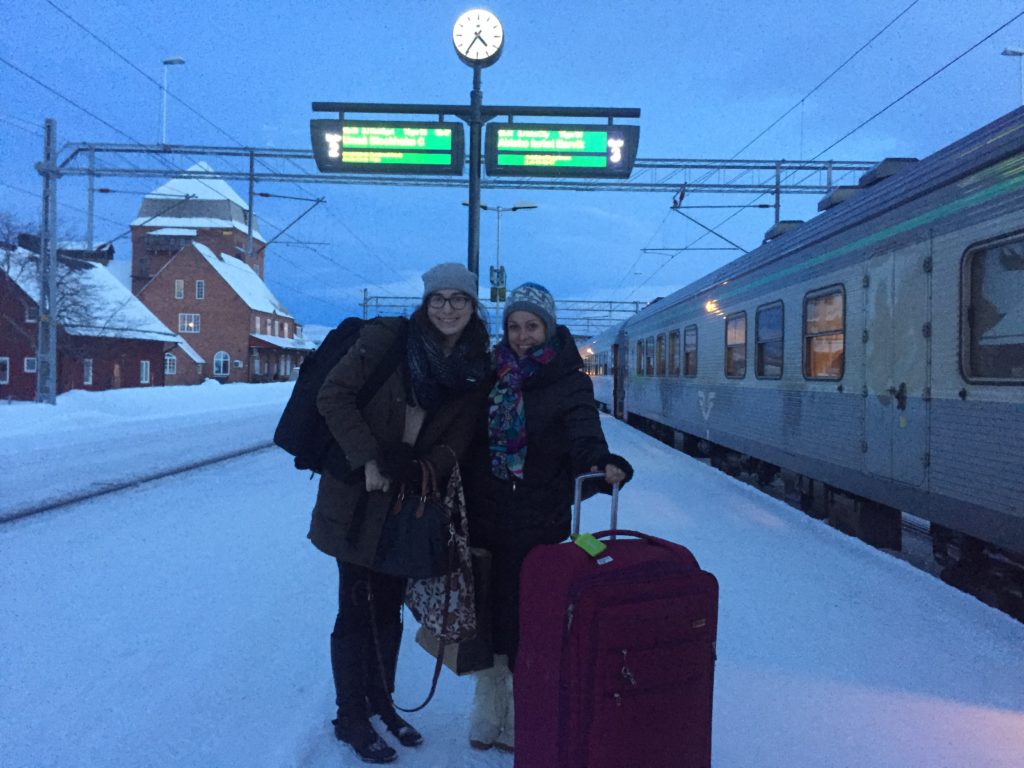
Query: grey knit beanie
pixel 534 298
pixel 451 276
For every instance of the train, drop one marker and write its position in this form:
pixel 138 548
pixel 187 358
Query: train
pixel 869 361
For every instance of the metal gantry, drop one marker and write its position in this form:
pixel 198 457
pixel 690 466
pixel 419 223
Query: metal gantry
pixel 768 177
pixel 584 318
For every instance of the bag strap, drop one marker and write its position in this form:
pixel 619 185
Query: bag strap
pixel 384 369
pixel 428 469
pixel 440 648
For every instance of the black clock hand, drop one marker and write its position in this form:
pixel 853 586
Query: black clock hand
pixel 475 38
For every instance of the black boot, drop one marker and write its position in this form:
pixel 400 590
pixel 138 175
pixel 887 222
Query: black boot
pixel 357 732
pixel 379 686
pixel 348 663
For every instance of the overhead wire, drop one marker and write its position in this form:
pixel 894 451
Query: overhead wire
pixel 868 120
pixel 203 117
pixel 849 133
pixel 779 119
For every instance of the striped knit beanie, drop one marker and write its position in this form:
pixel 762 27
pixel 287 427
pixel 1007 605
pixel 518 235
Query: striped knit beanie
pixel 535 298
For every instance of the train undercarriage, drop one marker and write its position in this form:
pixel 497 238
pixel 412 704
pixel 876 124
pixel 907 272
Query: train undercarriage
pixel 993 575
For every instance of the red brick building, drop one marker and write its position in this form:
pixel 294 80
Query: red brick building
pixel 106 338
pixel 226 313
pixel 191 265
pixel 183 210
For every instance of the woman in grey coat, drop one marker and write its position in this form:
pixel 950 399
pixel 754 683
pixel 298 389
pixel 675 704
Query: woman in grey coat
pixel 426 409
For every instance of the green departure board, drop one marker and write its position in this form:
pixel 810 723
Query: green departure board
pixel 561 150
pixel 365 146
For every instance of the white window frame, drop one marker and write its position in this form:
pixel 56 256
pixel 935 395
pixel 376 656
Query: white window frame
pixel 87 372
pixel 170 364
pixel 256 323
pixel 5 370
pixel 143 371
pixel 31 313
pixel 200 289
pixel 29 365
pixel 222 364
pixel 179 289
pixel 183 320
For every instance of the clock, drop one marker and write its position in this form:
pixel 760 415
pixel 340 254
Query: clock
pixel 478 37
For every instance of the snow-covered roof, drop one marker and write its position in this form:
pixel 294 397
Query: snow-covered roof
pixel 197 222
pixel 190 351
pixel 201 189
pixel 91 300
pixel 280 341
pixel 173 232
pixel 211 203
pixel 244 281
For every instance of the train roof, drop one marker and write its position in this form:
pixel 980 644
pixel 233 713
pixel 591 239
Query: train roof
pixel 989 144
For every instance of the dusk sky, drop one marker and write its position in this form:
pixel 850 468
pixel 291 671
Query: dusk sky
pixel 708 78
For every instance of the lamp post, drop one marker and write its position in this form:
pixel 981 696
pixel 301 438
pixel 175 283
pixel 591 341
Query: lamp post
pixel 497 271
pixel 163 115
pixel 1019 53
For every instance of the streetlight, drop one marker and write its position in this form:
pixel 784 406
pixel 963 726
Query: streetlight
pixel 1019 53
pixel 497 271
pixel 163 117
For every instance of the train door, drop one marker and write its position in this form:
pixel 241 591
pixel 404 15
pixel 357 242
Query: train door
pixel 618 381
pixel 897 360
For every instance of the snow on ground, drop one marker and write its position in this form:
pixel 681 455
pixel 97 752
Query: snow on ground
pixel 92 440
pixel 185 622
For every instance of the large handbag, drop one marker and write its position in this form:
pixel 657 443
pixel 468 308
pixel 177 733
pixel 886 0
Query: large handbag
pixel 414 540
pixel 445 604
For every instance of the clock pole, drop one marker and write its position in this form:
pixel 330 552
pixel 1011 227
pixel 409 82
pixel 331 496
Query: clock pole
pixel 475 122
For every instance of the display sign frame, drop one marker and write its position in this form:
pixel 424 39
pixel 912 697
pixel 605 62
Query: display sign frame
pixel 565 156
pixel 382 158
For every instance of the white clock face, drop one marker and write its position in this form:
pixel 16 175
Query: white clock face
pixel 478 37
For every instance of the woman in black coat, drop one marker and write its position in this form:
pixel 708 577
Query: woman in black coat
pixel 543 430
pixel 426 409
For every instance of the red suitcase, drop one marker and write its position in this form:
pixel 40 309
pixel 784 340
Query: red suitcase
pixel 616 654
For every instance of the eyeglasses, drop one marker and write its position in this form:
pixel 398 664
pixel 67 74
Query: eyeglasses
pixel 457 301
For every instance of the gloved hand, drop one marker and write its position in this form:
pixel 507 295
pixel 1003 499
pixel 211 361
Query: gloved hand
pixel 398 461
pixel 615 468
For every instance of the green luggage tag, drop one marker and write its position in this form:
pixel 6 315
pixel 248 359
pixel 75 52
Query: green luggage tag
pixel 590 545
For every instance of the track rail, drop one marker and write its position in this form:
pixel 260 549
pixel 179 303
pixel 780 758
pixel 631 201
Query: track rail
pixel 66 501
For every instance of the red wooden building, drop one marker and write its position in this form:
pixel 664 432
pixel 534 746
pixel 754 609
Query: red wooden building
pixel 106 338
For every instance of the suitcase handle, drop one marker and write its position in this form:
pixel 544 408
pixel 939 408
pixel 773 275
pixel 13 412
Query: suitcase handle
pixel 578 502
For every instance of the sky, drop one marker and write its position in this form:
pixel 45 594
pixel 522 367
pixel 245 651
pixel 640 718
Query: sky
pixel 708 77
pixel 184 622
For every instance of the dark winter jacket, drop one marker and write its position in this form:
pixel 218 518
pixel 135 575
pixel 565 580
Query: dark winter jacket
pixel 564 439
pixel 347 521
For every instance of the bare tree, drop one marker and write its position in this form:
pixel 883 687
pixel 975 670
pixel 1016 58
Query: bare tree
pixel 76 299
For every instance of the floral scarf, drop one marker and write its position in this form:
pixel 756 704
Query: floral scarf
pixel 506 423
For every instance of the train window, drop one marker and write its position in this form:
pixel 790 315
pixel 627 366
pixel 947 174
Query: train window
pixel 736 346
pixel 994 321
pixel 824 333
pixel 660 356
pixel 768 346
pixel 673 353
pixel 690 350
pixel 640 358
pixel 649 356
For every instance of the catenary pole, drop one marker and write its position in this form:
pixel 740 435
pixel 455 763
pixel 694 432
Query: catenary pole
pixel 46 345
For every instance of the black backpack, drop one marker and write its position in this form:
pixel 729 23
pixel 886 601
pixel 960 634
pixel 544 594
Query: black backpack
pixel 302 431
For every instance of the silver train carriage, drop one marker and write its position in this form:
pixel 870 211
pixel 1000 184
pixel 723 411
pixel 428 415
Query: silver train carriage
pixel 874 354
